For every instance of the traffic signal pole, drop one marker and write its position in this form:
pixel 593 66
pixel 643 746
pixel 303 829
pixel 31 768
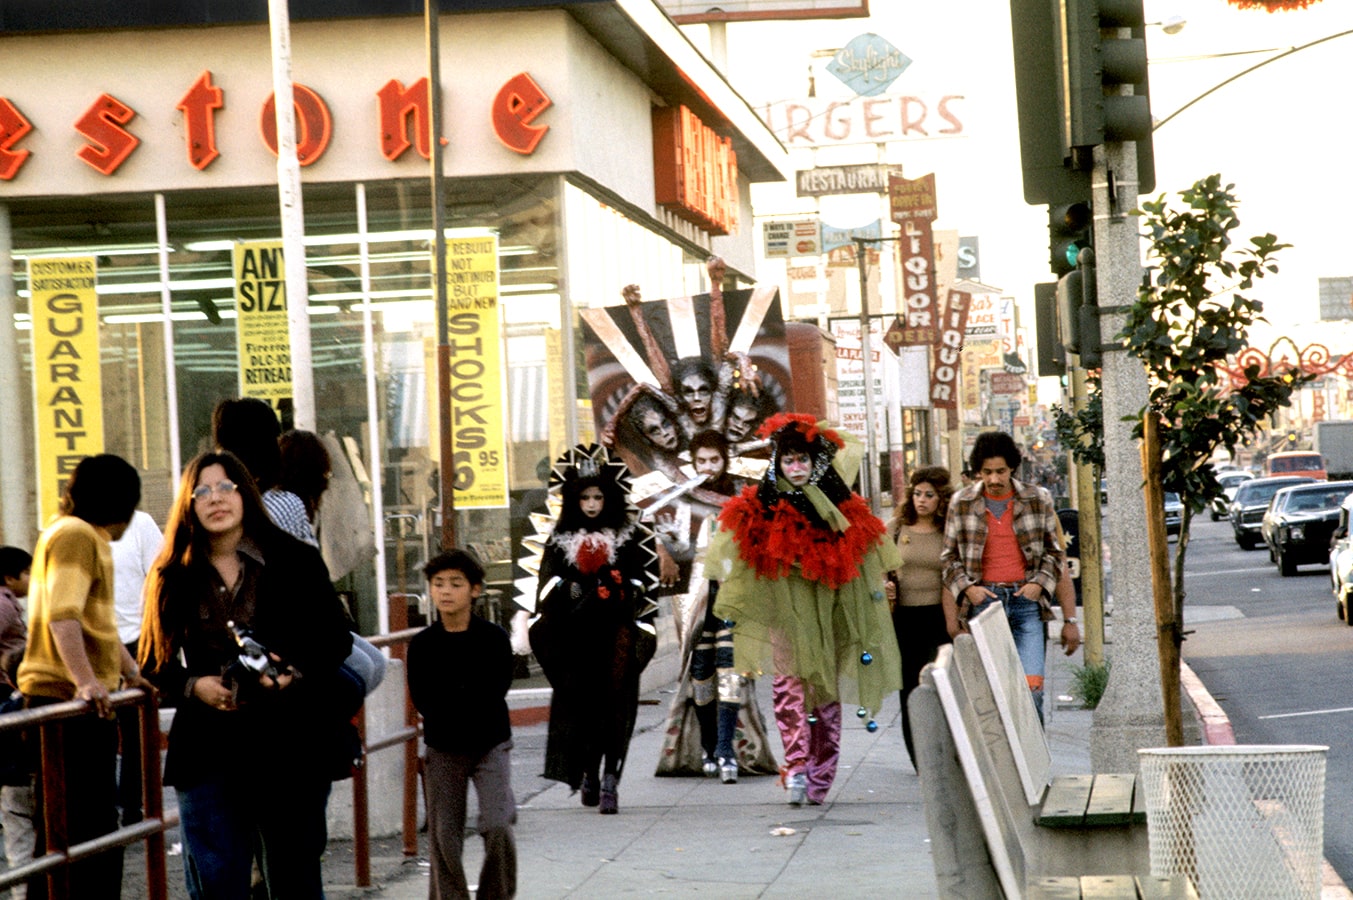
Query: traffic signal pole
pixel 1130 714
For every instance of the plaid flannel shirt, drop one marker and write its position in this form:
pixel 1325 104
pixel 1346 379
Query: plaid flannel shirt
pixel 965 537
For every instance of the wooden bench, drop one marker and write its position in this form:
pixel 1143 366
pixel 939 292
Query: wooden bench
pixel 998 823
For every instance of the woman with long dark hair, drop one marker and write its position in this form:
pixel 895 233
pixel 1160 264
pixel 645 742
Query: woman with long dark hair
pixel 924 613
pixel 252 733
pixel 594 634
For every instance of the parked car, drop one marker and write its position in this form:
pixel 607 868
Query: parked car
pixel 1230 480
pixel 1341 563
pixel 1174 513
pixel 1247 509
pixel 1300 521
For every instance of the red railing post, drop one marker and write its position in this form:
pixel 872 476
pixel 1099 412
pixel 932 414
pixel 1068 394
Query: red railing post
pixel 361 816
pixel 157 876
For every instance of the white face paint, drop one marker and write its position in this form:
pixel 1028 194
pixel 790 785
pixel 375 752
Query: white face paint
pixel 797 467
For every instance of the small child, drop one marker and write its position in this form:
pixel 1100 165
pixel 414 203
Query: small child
pixel 459 670
pixel 15 564
pixel 16 779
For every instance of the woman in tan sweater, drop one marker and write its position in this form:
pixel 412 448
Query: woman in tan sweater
pixel 915 591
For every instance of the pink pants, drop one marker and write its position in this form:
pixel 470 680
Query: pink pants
pixel 813 749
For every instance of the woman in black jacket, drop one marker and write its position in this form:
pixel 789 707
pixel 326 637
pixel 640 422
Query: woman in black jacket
pixel 250 745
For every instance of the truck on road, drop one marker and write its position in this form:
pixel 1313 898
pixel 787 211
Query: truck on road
pixel 1334 441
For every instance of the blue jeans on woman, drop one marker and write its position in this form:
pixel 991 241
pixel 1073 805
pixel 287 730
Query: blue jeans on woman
pixel 229 818
pixel 1026 626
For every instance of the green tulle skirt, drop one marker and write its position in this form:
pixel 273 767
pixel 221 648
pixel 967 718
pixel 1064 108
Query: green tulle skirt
pixel 839 641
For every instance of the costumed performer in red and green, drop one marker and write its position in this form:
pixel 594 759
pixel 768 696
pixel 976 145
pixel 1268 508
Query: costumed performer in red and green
pixel 801 561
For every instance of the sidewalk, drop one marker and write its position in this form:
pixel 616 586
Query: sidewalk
pixel 684 837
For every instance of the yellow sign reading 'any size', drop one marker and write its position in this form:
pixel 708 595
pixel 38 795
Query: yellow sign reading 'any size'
pixel 68 387
pixel 263 341
pixel 474 327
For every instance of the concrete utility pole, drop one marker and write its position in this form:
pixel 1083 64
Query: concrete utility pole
pixel 1129 716
pixel 293 220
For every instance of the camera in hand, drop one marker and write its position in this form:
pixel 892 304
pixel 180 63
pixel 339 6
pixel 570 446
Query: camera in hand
pixel 243 674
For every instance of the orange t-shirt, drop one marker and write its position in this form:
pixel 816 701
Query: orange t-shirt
pixel 1002 558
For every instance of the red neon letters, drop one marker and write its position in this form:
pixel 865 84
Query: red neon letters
pixel 199 120
pixel 109 143
pixel 314 125
pixel 13 126
pixel 397 104
pixel 519 102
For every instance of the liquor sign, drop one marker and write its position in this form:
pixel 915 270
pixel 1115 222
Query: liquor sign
pixel 828 181
pixel 263 341
pixel 784 239
pixel 474 328
pixel 67 383
pixel 912 205
pixel 944 374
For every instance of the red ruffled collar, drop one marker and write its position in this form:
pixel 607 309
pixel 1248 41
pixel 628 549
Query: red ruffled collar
pixel 773 541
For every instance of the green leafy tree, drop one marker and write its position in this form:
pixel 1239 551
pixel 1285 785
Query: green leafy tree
pixel 1189 319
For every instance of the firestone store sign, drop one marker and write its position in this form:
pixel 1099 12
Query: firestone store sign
pixel 401 123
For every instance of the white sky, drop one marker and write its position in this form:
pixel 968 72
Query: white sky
pixel 1281 134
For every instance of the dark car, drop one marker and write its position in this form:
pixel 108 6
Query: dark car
pixel 1247 509
pixel 1300 521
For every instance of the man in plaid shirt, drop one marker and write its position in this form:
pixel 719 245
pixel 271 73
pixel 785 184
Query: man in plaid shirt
pixel 1002 543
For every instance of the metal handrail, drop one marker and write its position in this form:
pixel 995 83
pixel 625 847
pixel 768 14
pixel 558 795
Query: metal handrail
pixel 56 861
pixel 397 641
pixel 151 829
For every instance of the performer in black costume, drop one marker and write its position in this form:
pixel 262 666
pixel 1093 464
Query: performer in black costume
pixel 594 634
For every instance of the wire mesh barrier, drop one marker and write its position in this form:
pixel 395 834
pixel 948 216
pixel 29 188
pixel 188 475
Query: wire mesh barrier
pixel 1242 821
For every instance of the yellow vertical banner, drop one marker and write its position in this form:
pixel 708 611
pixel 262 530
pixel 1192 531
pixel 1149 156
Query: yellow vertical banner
pixel 67 381
pixel 474 329
pixel 554 362
pixel 263 341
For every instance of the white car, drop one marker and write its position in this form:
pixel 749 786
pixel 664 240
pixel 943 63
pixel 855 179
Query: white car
pixel 1230 480
pixel 1341 563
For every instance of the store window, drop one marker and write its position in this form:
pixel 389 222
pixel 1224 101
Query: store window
pixel 530 216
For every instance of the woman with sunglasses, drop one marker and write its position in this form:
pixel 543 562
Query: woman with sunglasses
pixel 245 742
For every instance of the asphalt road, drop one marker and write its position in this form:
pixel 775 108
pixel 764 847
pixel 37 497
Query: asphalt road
pixel 1274 654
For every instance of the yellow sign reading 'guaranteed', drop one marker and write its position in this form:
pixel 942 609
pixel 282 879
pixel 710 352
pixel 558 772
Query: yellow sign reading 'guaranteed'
pixel 68 386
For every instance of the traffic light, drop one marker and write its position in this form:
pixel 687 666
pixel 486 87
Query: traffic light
pixel 1051 355
pixel 1093 62
pixel 1078 311
pixel 1068 234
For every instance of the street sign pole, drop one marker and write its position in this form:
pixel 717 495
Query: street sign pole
pixel 869 471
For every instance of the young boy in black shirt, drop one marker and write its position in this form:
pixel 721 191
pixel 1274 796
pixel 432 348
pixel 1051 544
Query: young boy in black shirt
pixel 460 669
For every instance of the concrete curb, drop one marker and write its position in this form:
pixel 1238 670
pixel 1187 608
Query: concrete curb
pixel 1217 730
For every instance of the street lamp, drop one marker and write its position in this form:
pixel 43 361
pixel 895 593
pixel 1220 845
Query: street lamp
pixel 1170 24
pixel 1259 65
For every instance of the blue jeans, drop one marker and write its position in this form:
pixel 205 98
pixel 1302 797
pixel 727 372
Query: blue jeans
pixel 1026 626
pixel 229 818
